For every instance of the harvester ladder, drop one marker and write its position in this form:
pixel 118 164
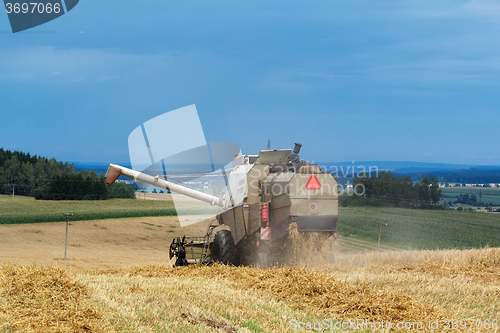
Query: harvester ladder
pixel 210 229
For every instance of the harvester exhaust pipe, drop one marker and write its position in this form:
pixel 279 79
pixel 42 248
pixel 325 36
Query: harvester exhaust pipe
pixel 115 171
pixel 296 150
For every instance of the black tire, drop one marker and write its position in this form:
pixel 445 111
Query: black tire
pixel 223 249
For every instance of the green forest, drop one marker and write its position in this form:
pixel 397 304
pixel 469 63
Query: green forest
pixel 386 189
pixel 48 179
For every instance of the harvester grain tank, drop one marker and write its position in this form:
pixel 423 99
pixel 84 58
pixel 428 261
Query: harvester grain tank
pixel 267 196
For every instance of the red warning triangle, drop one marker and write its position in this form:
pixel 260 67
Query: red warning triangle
pixel 313 183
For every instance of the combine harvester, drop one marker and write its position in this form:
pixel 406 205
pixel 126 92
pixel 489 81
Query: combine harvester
pixel 254 202
pixel 266 196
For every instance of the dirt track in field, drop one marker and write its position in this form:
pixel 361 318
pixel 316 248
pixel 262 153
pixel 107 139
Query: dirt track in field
pixel 112 243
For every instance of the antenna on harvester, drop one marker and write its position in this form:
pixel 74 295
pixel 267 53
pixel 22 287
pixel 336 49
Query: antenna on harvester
pixel 268 144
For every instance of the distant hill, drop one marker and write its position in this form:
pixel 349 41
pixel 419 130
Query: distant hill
pixel 99 168
pixel 452 173
pixel 394 165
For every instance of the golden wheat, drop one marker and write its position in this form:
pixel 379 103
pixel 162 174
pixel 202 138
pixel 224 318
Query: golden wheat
pixel 35 299
pixel 418 286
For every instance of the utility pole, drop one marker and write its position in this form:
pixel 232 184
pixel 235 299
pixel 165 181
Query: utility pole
pixel 67 223
pixel 13 185
pixel 380 225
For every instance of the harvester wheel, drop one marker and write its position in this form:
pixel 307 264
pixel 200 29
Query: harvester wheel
pixel 223 249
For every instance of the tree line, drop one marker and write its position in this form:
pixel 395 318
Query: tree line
pixel 469 200
pixel 48 179
pixel 387 189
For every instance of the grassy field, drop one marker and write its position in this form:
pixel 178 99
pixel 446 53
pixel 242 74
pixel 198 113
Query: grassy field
pixel 28 210
pixel 422 229
pixel 406 228
pixel 488 194
pixel 401 288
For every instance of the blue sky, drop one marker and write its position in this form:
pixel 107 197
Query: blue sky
pixel 350 80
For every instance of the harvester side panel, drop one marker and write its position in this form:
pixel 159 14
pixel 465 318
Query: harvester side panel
pixel 282 200
pixel 235 220
pixel 280 216
pixel 276 184
pixel 313 209
pixel 254 222
pixel 257 174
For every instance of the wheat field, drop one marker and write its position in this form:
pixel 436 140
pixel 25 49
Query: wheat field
pixel 407 287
